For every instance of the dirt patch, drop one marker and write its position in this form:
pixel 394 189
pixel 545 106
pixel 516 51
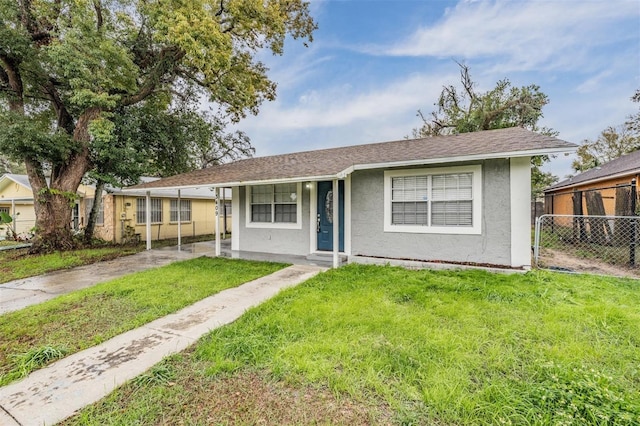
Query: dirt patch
pixel 254 398
pixel 560 260
pixel 244 398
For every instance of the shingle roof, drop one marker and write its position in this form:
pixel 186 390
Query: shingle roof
pixel 169 193
pixel 326 163
pixel 20 179
pixel 627 164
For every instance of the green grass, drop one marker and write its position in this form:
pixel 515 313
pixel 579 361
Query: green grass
pixel 17 264
pixel 454 348
pixel 88 317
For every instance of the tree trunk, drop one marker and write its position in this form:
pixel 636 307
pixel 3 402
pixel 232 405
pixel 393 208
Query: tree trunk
pixel 93 215
pixel 53 202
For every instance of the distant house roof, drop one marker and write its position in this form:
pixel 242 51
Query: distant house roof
pixel 172 193
pixel 626 165
pixel 338 162
pixel 19 179
pixel 203 192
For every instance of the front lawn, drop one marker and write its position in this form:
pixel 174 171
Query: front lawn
pixel 17 264
pixel 34 336
pixel 377 345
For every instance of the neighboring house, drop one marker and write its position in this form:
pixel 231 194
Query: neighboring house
pixel 606 181
pixel 460 199
pixel 16 199
pixel 123 214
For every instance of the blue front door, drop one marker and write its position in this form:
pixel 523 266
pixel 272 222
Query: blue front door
pixel 325 215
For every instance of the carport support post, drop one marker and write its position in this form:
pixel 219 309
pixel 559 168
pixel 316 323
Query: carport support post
pixel 148 219
pixel 179 223
pixel 336 224
pixel 217 227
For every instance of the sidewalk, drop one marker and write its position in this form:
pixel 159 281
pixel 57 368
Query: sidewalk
pixel 56 392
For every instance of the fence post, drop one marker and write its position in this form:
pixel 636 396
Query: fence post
pixel 632 244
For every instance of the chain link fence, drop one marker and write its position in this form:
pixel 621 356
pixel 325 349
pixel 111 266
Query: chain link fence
pixel 591 244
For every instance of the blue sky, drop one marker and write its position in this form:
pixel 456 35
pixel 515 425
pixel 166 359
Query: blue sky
pixel 373 64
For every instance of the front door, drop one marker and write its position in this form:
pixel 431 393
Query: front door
pixel 325 215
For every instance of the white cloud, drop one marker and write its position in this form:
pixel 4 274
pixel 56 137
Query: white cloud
pixel 342 105
pixel 525 34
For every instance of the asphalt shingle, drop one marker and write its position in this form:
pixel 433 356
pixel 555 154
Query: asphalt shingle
pixel 330 162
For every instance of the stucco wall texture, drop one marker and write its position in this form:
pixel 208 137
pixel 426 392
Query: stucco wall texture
pixel 271 240
pixel 492 246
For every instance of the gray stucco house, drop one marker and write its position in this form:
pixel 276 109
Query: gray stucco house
pixel 458 199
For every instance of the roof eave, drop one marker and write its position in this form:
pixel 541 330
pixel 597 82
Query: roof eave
pixel 231 184
pixel 594 180
pixel 462 158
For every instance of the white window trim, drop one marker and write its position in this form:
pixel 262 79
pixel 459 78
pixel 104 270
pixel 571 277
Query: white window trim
pixel 476 227
pixel 274 225
pixel 145 212
pixel 182 219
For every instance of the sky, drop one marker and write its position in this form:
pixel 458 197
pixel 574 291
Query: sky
pixel 374 64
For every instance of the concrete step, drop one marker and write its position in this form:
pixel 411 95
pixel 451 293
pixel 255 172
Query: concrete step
pixel 326 256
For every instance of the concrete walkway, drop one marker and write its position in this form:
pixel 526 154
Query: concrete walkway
pixel 19 294
pixel 58 391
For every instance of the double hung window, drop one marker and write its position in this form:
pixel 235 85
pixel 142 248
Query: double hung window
pixel 185 210
pixel 433 200
pixel 156 210
pixel 274 205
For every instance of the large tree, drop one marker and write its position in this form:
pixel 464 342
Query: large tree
pixel 145 140
pixel 613 142
pixel 465 109
pixel 66 66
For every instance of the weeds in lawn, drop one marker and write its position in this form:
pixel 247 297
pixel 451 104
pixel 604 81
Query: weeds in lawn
pixel 35 358
pixel 459 348
pixel 88 317
pixel 581 396
pixel 159 374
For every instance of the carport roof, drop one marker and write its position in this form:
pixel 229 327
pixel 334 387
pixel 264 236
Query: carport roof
pixel 338 162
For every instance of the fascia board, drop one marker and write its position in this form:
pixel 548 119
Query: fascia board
pixel 595 180
pixel 237 183
pixel 462 158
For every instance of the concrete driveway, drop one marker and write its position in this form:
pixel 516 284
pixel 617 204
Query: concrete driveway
pixel 19 294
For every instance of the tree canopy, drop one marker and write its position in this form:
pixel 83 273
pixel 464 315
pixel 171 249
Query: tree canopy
pixel 613 142
pixel 462 110
pixel 69 68
pixel 465 109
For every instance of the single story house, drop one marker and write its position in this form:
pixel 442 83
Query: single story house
pixel 123 215
pixel 462 199
pixel 607 181
pixel 16 199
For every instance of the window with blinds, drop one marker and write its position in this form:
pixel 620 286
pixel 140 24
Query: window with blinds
pixel 452 200
pixel 409 200
pixel 433 200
